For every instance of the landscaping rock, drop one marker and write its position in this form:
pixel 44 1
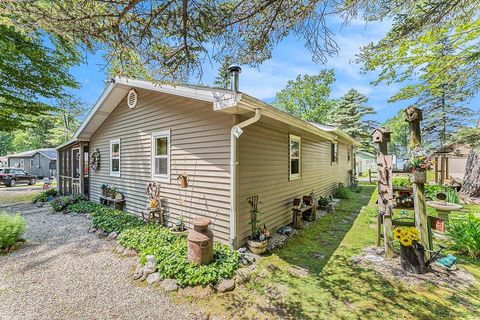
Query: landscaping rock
pixel 246 258
pixel 169 285
pixel 201 316
pixel 373 258
pixel 101 234
pixel 298 272
pixel 318 255
pixel 40 204
pixel 150 267
pixel 129 253
pixel 119 249
pixel 242 275
pixel 276 241
pixel 226 285
pixel 113 235
pixel 153 278
pixel 286 230
pixel 197 292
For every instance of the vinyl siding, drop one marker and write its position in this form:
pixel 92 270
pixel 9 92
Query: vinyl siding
pixel 200 147
pixel 263 169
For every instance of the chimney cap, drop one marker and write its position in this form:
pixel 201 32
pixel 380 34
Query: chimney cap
pixel 234 68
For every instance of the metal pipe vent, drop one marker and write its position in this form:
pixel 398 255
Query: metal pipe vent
pixel 234 71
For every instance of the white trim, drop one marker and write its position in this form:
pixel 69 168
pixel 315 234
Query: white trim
pixel 335 143
pixel 114 173
pixel 154 136
pixel 298 139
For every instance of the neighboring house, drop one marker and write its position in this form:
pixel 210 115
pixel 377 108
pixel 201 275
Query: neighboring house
pixel 229 144
pixel 3 162
pixel 40 162
pixel 450 162
pixel 365 161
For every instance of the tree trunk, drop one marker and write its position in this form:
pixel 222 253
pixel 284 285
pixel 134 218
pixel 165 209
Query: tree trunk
pixel 471 182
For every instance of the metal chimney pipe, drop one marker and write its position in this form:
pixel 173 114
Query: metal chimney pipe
pixel 234 71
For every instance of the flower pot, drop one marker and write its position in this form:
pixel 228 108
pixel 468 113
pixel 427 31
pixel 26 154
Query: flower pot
pixel 257 247
pixel 412 258
pixel 182 233
pixel 419 177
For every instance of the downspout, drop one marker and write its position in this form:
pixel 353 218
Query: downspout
pixel 234 135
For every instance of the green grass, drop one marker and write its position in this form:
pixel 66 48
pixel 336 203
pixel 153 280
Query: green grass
pixel 15 198
pixel 335 288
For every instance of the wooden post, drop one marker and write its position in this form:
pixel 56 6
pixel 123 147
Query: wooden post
pixel 413 117
pixel 385 190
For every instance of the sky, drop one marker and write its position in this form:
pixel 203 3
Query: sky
pixel 289 59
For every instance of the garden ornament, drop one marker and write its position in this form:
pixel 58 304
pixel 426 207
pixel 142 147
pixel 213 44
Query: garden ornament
pixel 447 262
pixel 149 267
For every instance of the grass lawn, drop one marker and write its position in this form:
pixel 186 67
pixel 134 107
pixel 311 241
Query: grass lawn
pixel 336 288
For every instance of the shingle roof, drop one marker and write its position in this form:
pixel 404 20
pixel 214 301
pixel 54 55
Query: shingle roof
pixel 49 153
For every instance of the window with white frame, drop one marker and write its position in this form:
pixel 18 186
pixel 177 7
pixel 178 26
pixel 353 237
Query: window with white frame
pixel 295 157
pixel 115 158
pixel 31 163
pixel 334 153
pixel 161 155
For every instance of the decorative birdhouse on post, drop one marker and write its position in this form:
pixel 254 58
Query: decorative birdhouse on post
pixel 413 114
pixel 381 135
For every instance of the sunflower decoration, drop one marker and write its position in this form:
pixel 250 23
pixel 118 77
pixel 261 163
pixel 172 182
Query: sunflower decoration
pixel 407 236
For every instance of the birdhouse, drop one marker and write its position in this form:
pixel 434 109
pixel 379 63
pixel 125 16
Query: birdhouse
pixel 381 135
pixel 413 113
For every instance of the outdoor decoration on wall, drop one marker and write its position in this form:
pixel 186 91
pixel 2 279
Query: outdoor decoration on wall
pixel 153 193
pixel 183 180
pixel 95 160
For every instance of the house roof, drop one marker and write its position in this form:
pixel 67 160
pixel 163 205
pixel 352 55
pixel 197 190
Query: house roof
pixel 50 153
pixel 368 154
pixel 456 149
pixel 225 101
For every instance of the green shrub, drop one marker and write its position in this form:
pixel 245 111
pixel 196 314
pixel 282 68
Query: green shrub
pixel 83 206
pixel 465 234
pixel 109 220
pixel 44 195
pixel 432 190
pixel 61 203
pixel 11 229
pixel 171 255
pixel 401 182
pixel 343 193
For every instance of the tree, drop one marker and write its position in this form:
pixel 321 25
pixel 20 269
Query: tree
pixel 6 143
pixel 399 137
pixel 222 80
pixel 308 97
pixel 68 110
pixel 30 73
pixel 171 39
pixel 348 116
pixel 471 181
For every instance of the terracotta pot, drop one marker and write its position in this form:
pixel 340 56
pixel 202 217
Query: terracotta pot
pixel 183 233
pixel 419 177
pixel 257 247
pixel 200 242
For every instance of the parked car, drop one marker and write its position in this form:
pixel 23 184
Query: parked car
pixel 10 177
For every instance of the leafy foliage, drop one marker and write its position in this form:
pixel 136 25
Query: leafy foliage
pixel 349 115
pixel 308 97
pixel 30 73
pixel 431 192
pixel 222 80
pixel 466 235
pixel 171 40
pixel 171 255
pixel 401 182
pixel 83 206
pixel 11 229
pixel 343 193
pixel 44 195
pixel 61 203
pixel 399 137
pixel 109 220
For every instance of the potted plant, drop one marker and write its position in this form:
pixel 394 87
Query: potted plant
pixel 324 203
pixel 104 189
pixel 411 250
pixel 419 164
pixel 179 228
pixel 257 241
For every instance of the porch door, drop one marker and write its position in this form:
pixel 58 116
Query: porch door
pixel 76 170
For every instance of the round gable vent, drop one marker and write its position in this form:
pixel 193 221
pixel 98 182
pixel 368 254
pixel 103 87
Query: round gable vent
pixel 132 98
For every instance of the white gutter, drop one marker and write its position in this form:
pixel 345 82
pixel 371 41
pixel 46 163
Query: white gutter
pixel 234 134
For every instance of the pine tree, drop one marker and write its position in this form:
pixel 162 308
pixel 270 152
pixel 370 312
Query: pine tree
pixel 222 80
pixel 348 116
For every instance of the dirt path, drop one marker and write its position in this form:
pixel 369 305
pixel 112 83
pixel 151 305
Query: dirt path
pixel 63 272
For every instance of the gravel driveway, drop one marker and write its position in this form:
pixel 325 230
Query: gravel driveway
pixel 63 272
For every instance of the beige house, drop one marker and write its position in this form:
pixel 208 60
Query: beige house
pixel 450 163
pixel 229 144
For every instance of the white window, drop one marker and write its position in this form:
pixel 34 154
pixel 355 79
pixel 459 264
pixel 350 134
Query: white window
pixel 161 155
pixel 31 163
pixel 334 153
pixel 115 158
pixel 295 157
